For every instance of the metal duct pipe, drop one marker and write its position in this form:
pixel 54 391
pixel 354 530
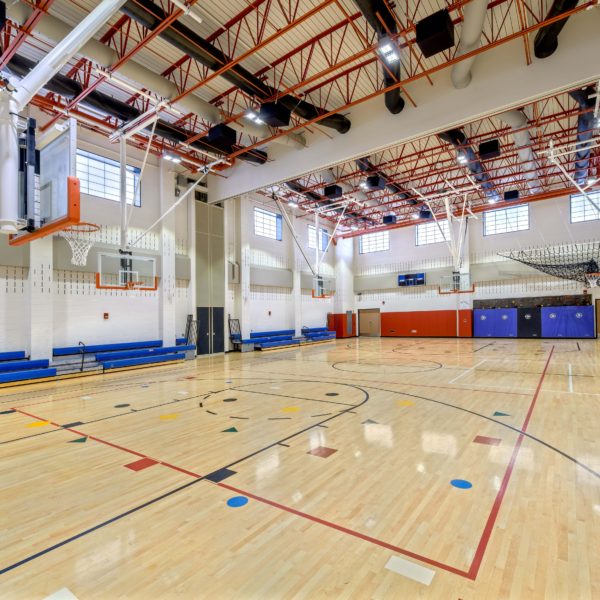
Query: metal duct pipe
pixel 150 16
pixel 470 39
pixel 376 11
pixel 54 30
pixel 517 121
pixel 585 132
pixel 459 140
pixel 63 86
pixel 546 39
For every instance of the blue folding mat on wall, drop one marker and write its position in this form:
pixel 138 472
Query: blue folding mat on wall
pixel 495 322
pixel 568 322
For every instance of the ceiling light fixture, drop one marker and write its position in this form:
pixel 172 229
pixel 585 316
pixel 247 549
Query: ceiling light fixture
pixel 253 116
pixel 292 204
pixel 592 180
pixel 363 185
pixel 387 50
pixel 172 158
pixel 462 159
pixel 414 216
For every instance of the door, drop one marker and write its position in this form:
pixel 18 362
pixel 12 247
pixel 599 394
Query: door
pixel 211 339
pixel 597 317
pixel 203 344
pixel 369 322
pixel 529 322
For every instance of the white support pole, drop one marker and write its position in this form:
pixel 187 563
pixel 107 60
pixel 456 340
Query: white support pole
pixel 54 61
pixel 123 190
pixel 167 249
pixel 9 164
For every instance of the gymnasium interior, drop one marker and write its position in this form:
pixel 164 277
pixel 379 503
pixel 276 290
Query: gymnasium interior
pixel 299 299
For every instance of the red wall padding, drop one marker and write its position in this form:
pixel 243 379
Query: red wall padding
pixel 337 322
pixel 430 323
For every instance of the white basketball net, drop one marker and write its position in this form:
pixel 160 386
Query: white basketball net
pixel 80 241
pixel 593 279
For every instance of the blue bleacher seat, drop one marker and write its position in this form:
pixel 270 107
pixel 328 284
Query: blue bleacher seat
pixel 106 356
pixel 23 365
pixel 265 345
pixel 12 355
pixel 270 334
pixel 93 348
pixel 26 375
pixel 142 360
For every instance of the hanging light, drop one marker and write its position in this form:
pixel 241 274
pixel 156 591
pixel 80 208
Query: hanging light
pixel 253 116
pixel 172 158
pixel 387 50
pixel 462 158
pixel 292 204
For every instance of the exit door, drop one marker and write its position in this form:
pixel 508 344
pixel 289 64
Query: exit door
pixel 369 322
pixel 210 329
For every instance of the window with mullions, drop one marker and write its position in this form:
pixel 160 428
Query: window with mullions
pixel 582 209
pixel 101 177
pixel 506 220
pixel 432 233
pixel 312 238
pixel 267 224
pixel 374 242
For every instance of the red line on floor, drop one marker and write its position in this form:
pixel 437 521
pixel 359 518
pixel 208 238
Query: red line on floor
pixel 491 521
pixel 351 532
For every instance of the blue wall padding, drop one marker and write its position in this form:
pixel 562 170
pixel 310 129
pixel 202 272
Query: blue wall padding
pixel 12 355
pixel 23 365
pixel 260 334
pixel 495 322
pixel 106 347
pixel 181 341
pixel 568 322
pixel 306 330
pixel 26 375
pixel 142 360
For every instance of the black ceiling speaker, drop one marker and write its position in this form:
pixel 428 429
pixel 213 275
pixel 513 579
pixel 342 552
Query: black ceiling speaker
pixel 2 15
pixel 375 182
pixel 435 33
pixel 489 149
pixel 222 137
pixel 389 219
pixel 332 191
pixel 275 114
pixel 424 213
pixel 511 195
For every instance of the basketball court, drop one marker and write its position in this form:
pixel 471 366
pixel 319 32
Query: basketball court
pixel 299 300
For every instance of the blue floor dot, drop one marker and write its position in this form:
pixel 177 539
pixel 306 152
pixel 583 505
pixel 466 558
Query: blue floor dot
pixel 237 501
pixel 463 484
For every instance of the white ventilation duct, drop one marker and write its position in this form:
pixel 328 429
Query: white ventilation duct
pixel 54 30
pixel 517 121
pixel 470 39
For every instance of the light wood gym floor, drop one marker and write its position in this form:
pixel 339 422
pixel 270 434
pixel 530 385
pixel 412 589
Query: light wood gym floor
pixel 376 518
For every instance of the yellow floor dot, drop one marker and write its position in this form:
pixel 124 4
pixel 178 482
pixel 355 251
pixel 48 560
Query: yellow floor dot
pixel 38 424
pixel 290 409
pixel 169 417
pixel 405 403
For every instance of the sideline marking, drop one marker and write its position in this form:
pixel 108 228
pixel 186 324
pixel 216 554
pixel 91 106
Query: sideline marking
pixel 467 371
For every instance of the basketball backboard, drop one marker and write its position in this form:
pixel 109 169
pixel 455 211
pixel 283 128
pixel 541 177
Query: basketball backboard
pixel 126 272
pixel 48 186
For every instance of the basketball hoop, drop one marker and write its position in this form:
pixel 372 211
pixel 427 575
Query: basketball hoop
pixel 79 238
pixel 593 279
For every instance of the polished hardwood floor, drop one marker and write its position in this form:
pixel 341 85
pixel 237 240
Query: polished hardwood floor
pixel 365 468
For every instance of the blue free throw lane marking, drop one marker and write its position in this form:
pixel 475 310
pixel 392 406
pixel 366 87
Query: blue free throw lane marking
pixel 237 501
pixel 463 484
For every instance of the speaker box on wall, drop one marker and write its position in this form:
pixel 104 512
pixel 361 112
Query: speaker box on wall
pixel 489 149
pixel 435 33
pixel 374 182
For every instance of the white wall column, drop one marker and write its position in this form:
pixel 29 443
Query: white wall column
pixel 343 298
pixel 191 250
pixel 40 304
pixel 245 216
pixel 298 262
pixel 167 247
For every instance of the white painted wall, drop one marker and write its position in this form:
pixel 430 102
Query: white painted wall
pixel 77 306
